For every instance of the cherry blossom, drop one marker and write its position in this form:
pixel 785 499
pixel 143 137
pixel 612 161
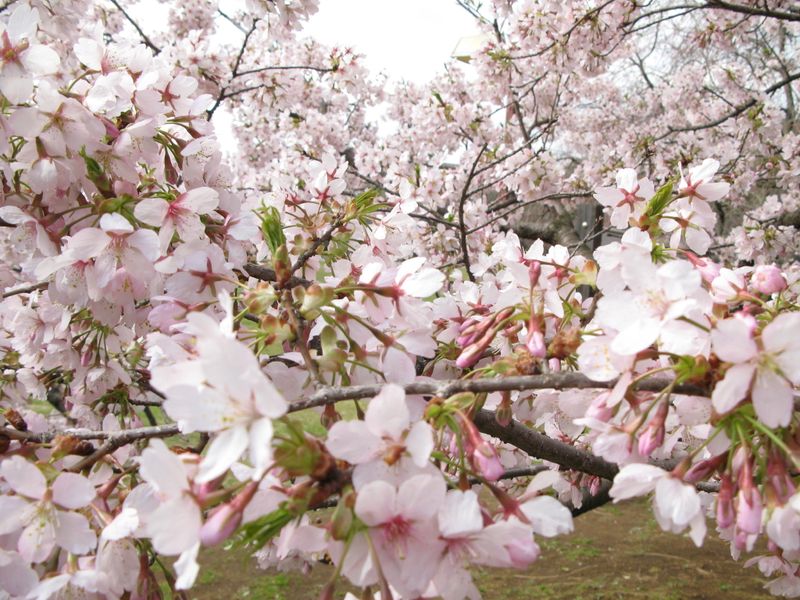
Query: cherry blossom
pixel 771 371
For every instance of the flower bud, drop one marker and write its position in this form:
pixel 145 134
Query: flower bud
pixel 315 297
pixel 702 469
pixel 473 353
pixel 341 521
pixel 653 436
pixel 522 551
pixel 725 511
pixel 534 272
pixel 258 300
pixel 226 518
pixel 599 408
pixel 535 342
pixel 281 265
pixel 768 279
pixel 748 511
pixel 708 270
pixel 503 414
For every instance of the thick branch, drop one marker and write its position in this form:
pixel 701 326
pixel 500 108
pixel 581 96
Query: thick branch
pixel 267 274
pixel 538 445
pixel 120 438
pixel 755 11
pixel 446 388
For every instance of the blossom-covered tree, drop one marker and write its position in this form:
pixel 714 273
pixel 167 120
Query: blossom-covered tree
pixel 482 369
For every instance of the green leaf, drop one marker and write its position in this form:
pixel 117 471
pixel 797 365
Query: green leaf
pixel 271 228
pixel 260 531
pixel 660 201
pixel 93 168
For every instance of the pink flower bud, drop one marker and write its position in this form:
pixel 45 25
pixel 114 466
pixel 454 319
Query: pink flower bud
pixel 554 364
pixel 226 518
pixel 487 463
pixel 599 410
pixel 483 457
pixel 725 512
pixel 779 478
pixel 220 525
pixel 768 279
pixel 202 491
pixel 708 270
pixel 522 552
pixel 653 436
pixel 702 469
pixel 535 342
pixel 472 353
pixel 534 271
pixel 748 511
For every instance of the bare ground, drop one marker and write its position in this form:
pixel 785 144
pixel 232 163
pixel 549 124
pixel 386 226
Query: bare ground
pixel 616 552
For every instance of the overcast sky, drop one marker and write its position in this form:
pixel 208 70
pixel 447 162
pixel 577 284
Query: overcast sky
pixel 407 39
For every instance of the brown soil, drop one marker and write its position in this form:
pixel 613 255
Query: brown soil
pixel 617 551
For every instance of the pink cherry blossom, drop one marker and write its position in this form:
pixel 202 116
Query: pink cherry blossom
pixel 766 375
pixel 628 199
pixel 181 215
pixel 44 513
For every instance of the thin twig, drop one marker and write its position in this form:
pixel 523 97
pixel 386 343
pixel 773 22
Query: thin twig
pixel 462 230
pixel 147 41
pixel 234 72
pixel 26 289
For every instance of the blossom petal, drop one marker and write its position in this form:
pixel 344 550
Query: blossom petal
pixel 175 526
pixel 773 399
pixel 71 490
pixel 23 477
pixel 732 341
pixel 419 443
pixel 548 516
pixel 387 413
pixel 375 503
pixel 352 441
pixel 224 450
pixel 420 497
pixel 460 514
pixel 733 387
pixel 74 534
pixel 635 480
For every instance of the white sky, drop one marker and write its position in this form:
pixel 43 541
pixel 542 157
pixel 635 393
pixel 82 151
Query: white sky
pixel 406 39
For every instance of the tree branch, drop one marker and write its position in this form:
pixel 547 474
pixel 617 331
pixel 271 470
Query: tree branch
pixel 462 230
pixel 26 289
pixel 266 274
pixel 755 11
pixel 734 113
pixel 147 41
pixel 121 438
pixel 284 68
pixel 234 72
pixel 446 388
pixel 539 445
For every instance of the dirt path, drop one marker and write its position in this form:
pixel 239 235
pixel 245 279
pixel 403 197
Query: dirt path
pixel 616 552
